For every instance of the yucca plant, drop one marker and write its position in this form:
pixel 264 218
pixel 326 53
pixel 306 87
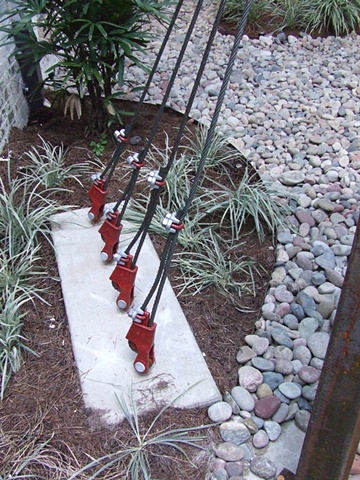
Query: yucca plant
pixel 24 216
pixel 132 460
pixel 19 273
pixel 24 213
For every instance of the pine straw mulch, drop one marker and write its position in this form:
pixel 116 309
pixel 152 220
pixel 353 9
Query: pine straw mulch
pixel 43 400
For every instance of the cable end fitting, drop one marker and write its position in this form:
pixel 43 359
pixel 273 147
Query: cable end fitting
pixel 120 136
pixel 171 223
pixel 155 180
pixel 134 162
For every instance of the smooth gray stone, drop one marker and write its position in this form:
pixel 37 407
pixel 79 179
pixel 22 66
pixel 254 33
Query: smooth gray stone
pixel 243 398
pixel 229 452
pixel 326 260
pixel 273 429
pixel 234 432
pixel 308 326
pixel 285 237
pixel 260 439
pixel 318 278
pixel 281 414
pixel 273 379
pixel 297 311
pixel 326 307
pixel 281 337
pixel 309 392
pixel 291 390
pixel 302 418
pixel 318 343
pixel 292 177
pixel 219 412
pixel 262 467
pixel 306 302
pixel 304 404
pixel 303 354
pixel 284 366
pixel 341 250
pixel 262 364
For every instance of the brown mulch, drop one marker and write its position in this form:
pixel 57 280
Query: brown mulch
pixel 43 400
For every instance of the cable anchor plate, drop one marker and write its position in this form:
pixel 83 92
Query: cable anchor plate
pixel 123 280
pixel 97 195
pixel 110 234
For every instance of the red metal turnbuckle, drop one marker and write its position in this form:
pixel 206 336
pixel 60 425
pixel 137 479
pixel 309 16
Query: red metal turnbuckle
pixel 123 280
pixel 141 339
pixel 97 195
pixel 110 234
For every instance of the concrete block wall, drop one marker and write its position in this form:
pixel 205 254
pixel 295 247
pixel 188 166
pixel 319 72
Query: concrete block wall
pixel 13 104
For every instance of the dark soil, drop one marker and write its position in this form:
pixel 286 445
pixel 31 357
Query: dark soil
pixel 43 400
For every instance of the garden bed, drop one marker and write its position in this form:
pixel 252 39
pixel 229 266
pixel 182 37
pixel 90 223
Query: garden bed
pixel 43 400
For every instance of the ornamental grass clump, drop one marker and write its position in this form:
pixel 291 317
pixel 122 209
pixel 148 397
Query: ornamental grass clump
pixel 340 17
pixel 229 198
pixel 26 205
pixel 336 17
pixel 47 165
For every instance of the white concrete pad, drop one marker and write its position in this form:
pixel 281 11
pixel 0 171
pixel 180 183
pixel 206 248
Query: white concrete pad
pixel 98 328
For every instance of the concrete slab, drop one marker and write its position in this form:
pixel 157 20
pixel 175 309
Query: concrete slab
pixel 98 328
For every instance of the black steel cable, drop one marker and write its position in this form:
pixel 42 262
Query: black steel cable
pixel 171 241
pixel 159 281
pixel 154 199
pixel 182 213
pixel 172 79
pixel 119 149
pixel 126 198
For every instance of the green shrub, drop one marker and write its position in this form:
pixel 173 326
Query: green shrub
pixel 91 41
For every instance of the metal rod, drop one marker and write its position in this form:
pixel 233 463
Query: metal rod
pixel 334 428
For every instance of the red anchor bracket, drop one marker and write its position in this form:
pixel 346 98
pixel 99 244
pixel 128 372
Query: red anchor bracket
pixel 123 280
pixel 141 339
pixel 110 234
pixel 97 195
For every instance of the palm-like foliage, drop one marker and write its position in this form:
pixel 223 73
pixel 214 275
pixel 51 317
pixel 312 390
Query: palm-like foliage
pixel 90 40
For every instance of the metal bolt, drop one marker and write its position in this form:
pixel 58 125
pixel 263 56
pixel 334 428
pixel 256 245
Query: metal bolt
pixel 121 304
pixel 139 367
pixel 104 256
pixel 91 216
